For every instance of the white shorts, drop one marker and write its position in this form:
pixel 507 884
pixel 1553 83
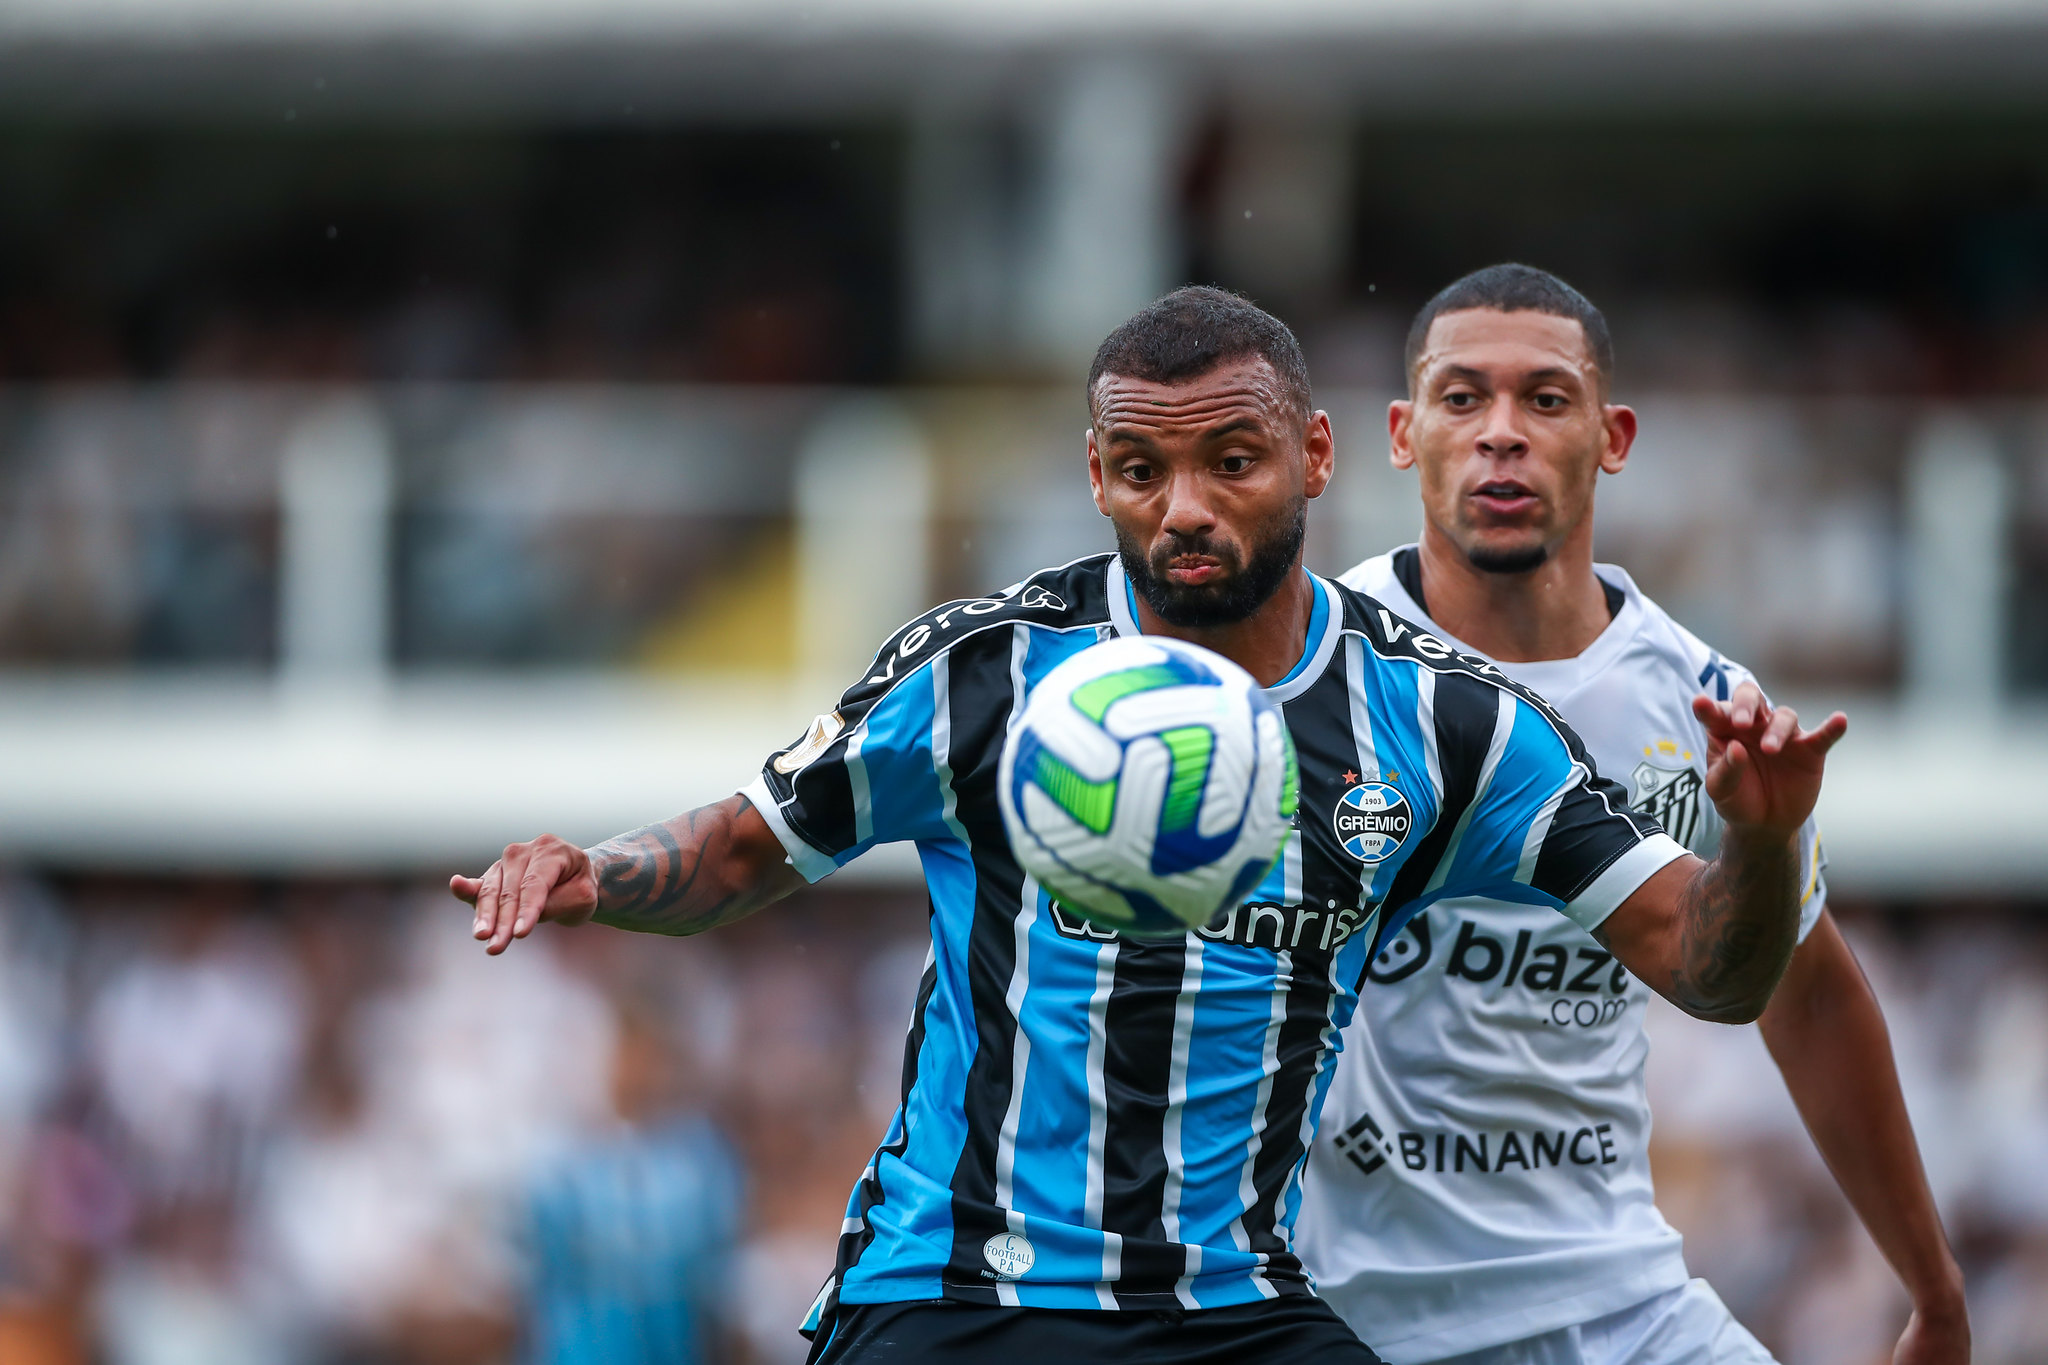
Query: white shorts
pixel 1684 1326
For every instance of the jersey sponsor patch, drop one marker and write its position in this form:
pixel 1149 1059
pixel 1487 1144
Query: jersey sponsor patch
pixel 1451 1152
pixel 816 740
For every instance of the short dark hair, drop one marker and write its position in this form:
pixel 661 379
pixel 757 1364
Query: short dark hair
pixel 1193 330
pixel 1512 288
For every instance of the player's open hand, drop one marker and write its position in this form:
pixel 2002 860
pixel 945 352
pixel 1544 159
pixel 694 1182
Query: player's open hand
pixel 1762 769
pixel 545 879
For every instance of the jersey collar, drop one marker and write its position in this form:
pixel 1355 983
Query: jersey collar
pixel 1554 678
pixel 1323 619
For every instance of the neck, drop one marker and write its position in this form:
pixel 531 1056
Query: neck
pixel 1554 611
pixel 1265 644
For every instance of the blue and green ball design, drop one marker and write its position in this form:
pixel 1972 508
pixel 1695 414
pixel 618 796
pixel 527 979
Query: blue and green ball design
pixel 1148 785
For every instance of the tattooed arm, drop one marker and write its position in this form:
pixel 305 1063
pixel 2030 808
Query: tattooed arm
pixel 1713 938
pixel 704 868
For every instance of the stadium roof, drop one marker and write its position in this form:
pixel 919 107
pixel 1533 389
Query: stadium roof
pixel 976 21
pixel 750 60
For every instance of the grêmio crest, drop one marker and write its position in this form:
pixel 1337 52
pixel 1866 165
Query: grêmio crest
pixel 1373 820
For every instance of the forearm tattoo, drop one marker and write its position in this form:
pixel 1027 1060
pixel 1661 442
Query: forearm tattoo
pixel 663 879
pixel 1738 925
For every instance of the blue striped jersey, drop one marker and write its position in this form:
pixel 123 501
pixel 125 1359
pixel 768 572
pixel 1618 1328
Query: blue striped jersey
pixel 1094 1121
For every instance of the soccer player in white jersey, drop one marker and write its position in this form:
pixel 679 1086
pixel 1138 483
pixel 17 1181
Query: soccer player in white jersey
pixel 1480 1186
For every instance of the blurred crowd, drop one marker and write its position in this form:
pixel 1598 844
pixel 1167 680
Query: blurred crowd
pixel 314 1123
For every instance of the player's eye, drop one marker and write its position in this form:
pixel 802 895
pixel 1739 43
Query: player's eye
pixel 1234 464
pixel 1551 402
pixel 1139 472
pixel 1461 400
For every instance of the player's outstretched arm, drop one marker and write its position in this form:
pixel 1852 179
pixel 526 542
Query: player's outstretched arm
pixel 702 869
pixel 1714 938
pixel 1827 1034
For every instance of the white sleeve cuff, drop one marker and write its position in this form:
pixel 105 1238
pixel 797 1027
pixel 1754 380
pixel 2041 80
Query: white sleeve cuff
pixel 812 865
pixel 1813 894
pixel 1622 877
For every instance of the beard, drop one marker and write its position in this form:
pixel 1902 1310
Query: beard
pixel 1244 586
pixel 1508 561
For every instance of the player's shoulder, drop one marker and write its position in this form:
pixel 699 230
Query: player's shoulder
pixel 1397 641
pixel 1369 576
pixel 1065 597
pixel 1664 643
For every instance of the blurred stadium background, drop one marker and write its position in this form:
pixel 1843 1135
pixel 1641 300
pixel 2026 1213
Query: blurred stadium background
pixel 429 423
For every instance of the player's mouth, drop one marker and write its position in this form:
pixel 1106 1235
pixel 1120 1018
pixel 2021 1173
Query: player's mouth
pixel 1505 497
pixel 1193 571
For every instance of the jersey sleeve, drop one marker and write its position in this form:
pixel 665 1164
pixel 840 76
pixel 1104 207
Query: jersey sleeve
pixel 864 773
pixel 1813 880
pixel 1545 827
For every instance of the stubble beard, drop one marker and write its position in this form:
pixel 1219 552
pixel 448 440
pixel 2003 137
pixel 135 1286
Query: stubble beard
pixel 1520 559
pixel 1243 589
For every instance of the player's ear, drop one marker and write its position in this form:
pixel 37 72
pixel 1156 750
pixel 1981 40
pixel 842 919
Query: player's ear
pixel 1320 446
pixel 1400 424
pixel 1620 422
pixel 1095 474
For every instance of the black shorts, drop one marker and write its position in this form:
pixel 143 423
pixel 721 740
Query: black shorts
pixel 1295 1329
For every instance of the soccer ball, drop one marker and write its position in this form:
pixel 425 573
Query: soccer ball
pixel 1148 785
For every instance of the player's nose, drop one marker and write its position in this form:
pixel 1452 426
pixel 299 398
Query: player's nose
pixel 1188 510
pixel 1502 433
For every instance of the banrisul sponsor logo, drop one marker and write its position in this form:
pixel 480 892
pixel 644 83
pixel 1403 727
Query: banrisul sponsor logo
pixel 1373 820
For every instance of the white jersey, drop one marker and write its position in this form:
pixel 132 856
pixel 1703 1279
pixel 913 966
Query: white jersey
pixel 1482 1171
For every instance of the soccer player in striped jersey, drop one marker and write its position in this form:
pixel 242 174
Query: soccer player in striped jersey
pixel 1481 1187
pixel 1099 1146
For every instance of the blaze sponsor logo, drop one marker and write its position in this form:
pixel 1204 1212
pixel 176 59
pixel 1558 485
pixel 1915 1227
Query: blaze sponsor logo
pixel 1404 957
pixel 1589 987
pixel 1368 1147
pixel 1373 820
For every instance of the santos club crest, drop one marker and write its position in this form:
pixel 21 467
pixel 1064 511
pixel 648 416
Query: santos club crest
pixel 1373 821
pixel 1671 796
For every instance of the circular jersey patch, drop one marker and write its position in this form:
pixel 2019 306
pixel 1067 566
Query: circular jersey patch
pixel 1373 820
pixel 1009 1255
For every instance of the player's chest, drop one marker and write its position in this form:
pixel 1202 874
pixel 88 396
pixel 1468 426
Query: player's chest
pixel 1364 810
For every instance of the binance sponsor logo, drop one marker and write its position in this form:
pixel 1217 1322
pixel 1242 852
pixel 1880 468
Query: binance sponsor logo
pixel 1368 1147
